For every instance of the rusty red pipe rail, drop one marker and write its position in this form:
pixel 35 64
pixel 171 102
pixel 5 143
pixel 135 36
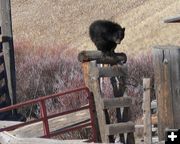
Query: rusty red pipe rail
pixel 41 119
pixel 42 98
pixel 91 111
pixel 44 118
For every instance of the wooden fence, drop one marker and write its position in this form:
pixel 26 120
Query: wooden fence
pixel 166 61
pixel 117 74
pixel 148 119
pixel 7 53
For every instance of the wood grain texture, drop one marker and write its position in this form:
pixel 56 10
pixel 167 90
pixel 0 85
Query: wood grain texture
pixel 147 111
pixel 117 102
pixel 86 73
pixel 95 87
pixel 117 128
pixel 7 138
pixel 8 48
pixel 36 130
pixel 113 71
pixel 166 61
pixel 174 19
pixel 85 56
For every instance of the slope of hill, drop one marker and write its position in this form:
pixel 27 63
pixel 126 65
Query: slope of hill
pixel 54 22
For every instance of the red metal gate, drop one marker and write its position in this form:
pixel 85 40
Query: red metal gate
pixel 44 117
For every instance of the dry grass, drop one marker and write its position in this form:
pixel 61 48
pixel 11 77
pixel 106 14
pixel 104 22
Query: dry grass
pixel 139 68
pixel 45 72
pixel 57 22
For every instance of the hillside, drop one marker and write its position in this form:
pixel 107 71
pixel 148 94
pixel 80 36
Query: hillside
pixel 55 22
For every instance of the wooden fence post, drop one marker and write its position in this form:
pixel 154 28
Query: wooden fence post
pixel 147 111
pixel 8 49
pixel 86 74
pixel 166 61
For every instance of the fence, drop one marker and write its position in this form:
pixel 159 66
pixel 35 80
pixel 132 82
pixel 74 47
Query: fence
pixel 7 53
pixel 44 117
pixel 166 61
pixel 116 73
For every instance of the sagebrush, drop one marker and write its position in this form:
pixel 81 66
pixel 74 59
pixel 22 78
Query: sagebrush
pixel 43 71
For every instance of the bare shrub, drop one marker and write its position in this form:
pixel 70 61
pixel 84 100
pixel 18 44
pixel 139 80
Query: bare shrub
pixel 138 68
pixel 45 71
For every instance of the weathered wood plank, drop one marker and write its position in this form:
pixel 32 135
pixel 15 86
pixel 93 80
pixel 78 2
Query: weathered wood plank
pixel 86 74
pixel 166 61
pixel 117 102
pixel 4 124
pixel 94 84
pixel 173 19
pixel 8 48
pixel 112 71
pixel 147 111
pixel 85 68
pixel 36 130
pixel 6 138
pixel 85 56
pixel 174 68
pixel 125 127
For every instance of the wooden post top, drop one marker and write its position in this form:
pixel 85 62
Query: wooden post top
pixel 116 58
pixel 174 19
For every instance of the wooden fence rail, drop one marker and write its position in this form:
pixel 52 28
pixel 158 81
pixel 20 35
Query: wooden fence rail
pixel 147 111
pixel 116 73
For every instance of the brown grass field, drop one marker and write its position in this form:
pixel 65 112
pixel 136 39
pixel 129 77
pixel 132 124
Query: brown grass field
pixel 48 34
pixel 66 22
